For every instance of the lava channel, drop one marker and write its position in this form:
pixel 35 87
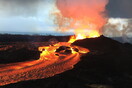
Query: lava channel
pixel 53 60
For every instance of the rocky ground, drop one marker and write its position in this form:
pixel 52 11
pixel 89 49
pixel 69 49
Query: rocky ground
pixel 108 65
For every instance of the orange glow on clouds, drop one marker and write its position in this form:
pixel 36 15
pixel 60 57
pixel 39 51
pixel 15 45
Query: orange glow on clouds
pixel 85 17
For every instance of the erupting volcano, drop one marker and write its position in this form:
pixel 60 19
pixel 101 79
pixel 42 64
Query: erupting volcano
pixel 85 18
pixel 85 59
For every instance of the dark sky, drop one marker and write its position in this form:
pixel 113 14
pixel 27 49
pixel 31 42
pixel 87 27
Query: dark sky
pixel 120 8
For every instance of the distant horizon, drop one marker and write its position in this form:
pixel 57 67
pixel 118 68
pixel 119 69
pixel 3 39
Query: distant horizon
pixel 37 33
pixel 119 38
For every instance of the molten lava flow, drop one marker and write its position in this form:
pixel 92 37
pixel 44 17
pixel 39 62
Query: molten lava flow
pixel 53 60
pixel 86 17
pixel 47 51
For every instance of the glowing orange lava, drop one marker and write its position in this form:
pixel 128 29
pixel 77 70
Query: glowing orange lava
pixel 80 36
pixel 53 60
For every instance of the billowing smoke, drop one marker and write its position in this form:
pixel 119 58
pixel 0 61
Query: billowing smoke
pixel 119 27
pixel 81 14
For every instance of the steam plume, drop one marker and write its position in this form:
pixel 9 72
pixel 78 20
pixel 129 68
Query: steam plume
pixel 81 14
pixel 119 27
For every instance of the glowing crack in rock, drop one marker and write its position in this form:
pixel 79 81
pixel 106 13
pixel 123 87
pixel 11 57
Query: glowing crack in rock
pixel 53 60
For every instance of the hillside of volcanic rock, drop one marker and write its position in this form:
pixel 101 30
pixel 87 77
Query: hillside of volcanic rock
pixel 107 56
pixel 108 65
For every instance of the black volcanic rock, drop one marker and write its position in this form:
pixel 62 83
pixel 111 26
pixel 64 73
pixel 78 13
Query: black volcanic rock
pixel 30 38
pixel 108 62
pixel 100 44
pixel 108 65
pixel 64 49
pixel 107 54
pixel 17 54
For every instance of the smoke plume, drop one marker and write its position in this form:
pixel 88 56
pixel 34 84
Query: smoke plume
pixel 119 27
pixel 81 14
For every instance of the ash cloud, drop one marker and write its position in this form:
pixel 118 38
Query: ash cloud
pixel 120 23
pixel 119 27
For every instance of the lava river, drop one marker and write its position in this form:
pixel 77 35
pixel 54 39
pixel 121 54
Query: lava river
pixel 53 60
